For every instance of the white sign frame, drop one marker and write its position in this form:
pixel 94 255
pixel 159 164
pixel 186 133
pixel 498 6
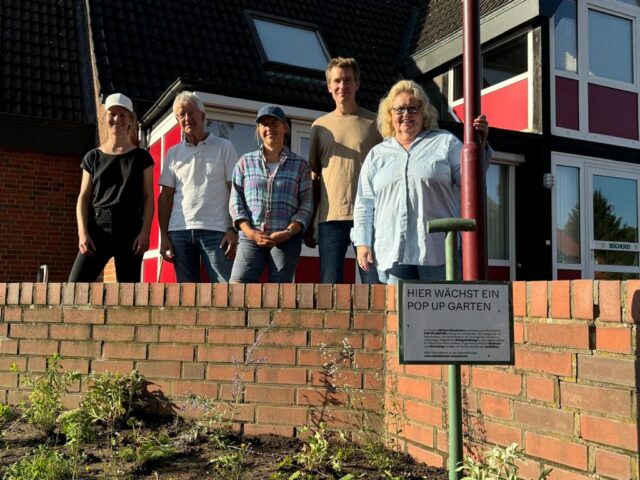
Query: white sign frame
pixel 435 316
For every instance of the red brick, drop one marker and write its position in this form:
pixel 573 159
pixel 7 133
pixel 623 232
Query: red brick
pixel 45 314
pixel 123 367
pixel 114 333
pixel 231 336
pixel 236 295
pixel 501 434
pixel 361 297
pixel 148 334
pixel 76 365
pixel 560 299
pixel 343 296
pixel 20 330
pixel 337 320
pixel 414 387
pixel 610 432
pixel 613 339
pixel 499 407
pixel 80 349
pixel 544 418
pixel 562 474
pixel 373 341
pixel 37 364
pixel 607 370
pixel 392 323
pixel 126 294
pixel 221 318
pixel 78 315
pixel 368 321
pixel 519 296
pixel 6 362
pixel 279 375
pixel 425 436
pixel 26 293
pixel 111 293
pixel 582 299
pixel 221 295
pixel 540 388
pixel 141 295
pixel 254 430
pixel 284 338
pixel 188 295
pixel 81 294
pixel 287 296
pixel 314 357
pixel 156 294
pixel 632 303
pixel 53 293
pixel 305 295
pixel 37 347
pixel 554 335
pixel 274 356
pixel 497 381
pixel 559 451
pixel 324 296
pixel 3 293
pixel 97 293
pixel 518 332
pixel 423 413
pixel 171 352
pixel 13 294
pixel 259 318
pixel 206 389
pixel 70 332
pixel 229 373
pixel 369 360
pixel 182 334
pixel 193 371
pixel 125 351
pixel 378 298
pixel 613 465
pixel 253 292
pixel 39 294
pixel 298 319
pixel 294 416
pixel 595 399
pixel 8 380
pixel 128 316
pixel 538 299
pixel 204 294
pixel 609 301
pixel 174 316
pixel 9 347
pixel 220 353
pixel 427 371
pixel 277 395
pixel 270 295
pixel 161 370
pixel 555 363
pixel 425 456
pixel 12 314
pixel 333 339
pixel 172 294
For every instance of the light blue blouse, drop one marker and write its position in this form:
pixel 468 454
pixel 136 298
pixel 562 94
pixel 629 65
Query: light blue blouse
pixel 400 190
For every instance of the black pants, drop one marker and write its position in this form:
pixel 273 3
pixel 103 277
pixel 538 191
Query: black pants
pixel 113 235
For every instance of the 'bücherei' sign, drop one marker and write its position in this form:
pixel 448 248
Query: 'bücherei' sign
pixel 455 323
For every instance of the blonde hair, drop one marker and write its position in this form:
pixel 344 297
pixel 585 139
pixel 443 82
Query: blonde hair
pixel 342 62
pixel 186 97
pixel 429 113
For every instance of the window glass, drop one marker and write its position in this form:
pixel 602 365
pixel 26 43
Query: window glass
pixel 242 135
pixel 498 211
pixel 304 147
pixel 503 62
pixel 568 214
pixel 615 209
pixel 610 46
pixel 631 2
pixel 566 37
pixel 292 45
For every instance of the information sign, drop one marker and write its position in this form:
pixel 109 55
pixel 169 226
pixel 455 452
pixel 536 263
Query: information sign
pixel 455 323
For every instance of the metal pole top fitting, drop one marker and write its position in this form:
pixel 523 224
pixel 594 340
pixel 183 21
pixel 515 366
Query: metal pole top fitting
pixel 451 225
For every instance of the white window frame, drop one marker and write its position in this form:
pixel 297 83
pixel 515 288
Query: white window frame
pixel 584 78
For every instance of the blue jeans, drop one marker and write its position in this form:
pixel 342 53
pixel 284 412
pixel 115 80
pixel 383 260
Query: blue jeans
pixel 401 271
pixel 281 260
pixel 334 238
pixel 191 245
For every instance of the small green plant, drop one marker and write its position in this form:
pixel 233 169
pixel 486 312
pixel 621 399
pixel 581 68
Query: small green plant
pixel 44 403
pixel 76 426
pixel 112 397
pixel 145 448
pixel 6 413
pixel 43 464
pixel 496 464
pixel 231 465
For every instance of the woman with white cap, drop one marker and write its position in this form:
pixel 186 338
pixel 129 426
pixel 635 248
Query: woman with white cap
pixel 115 204
pixel 270 204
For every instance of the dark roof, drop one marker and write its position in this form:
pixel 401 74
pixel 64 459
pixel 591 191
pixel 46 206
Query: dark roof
pixel 42 60
pixel 142 47
pixel 442 18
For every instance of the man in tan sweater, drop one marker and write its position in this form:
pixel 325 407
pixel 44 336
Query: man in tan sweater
pixel 340 141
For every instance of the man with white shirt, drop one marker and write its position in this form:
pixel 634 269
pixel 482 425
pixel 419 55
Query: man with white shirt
pixel 193 210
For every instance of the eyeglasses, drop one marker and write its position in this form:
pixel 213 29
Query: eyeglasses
pixel 402 110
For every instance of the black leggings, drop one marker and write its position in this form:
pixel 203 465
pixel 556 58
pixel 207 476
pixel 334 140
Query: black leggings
pixel 112 238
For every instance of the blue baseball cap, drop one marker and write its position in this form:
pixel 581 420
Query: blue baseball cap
pixel 271 111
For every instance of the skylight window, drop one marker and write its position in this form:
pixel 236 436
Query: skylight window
pixel 291 43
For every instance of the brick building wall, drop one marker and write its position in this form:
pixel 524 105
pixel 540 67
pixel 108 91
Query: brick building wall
pixel 570 400
pixel 38 195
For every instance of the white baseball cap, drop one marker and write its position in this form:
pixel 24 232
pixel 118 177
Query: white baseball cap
pixel 118 100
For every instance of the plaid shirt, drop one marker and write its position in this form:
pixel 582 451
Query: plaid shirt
pixel 271 202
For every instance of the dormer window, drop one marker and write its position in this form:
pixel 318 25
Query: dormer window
pixel 288 42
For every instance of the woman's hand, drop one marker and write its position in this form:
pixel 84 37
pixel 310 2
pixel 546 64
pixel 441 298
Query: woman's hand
pixel 86 245
pixel 482 126
pixel 280 237
pixel 262 239
pixel 141 243
pixel 365 257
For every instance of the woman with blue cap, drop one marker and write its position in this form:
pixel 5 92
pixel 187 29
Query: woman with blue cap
pixel 271 203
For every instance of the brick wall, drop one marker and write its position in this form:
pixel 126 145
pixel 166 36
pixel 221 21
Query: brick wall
pixel 571 399
pixel 38 195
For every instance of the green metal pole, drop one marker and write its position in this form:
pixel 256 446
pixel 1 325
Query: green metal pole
pixel 452 226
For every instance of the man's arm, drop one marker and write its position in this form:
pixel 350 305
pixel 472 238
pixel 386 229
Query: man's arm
pixel 165 205
pixel 316 173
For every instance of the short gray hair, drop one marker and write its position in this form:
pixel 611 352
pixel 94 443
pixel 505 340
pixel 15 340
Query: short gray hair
pixel 188 97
